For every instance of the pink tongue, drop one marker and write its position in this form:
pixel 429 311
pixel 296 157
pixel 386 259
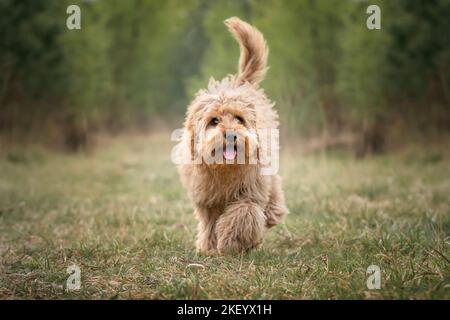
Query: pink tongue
pixel 229 154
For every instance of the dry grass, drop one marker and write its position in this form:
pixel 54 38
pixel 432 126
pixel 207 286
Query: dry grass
pixel 120 214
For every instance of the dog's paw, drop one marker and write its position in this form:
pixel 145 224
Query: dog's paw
pixel 207 252
pixel 206 246
pixel 240 228
pixel 275 214
pixel 228 245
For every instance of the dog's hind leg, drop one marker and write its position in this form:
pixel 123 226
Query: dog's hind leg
pixel 275 209
pixel 206 238
pixel 241 227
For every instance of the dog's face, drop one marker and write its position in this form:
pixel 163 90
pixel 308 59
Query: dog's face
pixel 223 132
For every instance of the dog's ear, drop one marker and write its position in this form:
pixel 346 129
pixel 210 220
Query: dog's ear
pixel 192 143
pixel 191 137
pixel 254 51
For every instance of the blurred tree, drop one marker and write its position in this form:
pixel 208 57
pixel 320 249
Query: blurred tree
pixel 305 51
pixel 222 54
pixel 135 62
pixel 362 73
pixel 419 64
pixel 30 61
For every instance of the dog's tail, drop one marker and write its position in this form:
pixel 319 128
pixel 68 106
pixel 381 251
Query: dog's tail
pixel 254 50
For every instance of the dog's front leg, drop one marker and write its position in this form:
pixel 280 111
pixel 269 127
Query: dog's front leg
pixel 241 227
pixel 206 237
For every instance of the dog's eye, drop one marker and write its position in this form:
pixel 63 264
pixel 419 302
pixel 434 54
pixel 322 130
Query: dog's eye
pixel 214 121
pixel 240 119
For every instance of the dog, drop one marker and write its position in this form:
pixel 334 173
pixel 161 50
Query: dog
pixel 235 203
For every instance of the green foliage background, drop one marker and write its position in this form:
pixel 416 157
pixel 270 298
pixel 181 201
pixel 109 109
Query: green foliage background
pixel 137 61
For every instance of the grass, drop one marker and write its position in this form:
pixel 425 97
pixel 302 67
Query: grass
pixel 121 215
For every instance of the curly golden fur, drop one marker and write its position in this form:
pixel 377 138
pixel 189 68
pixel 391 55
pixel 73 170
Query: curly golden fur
pixel 234 203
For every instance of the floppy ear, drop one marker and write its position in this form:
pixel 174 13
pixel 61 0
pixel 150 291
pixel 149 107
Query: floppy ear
pixel 257 153
pixel 252 147
pixel 251 152
pixel 190 140
pixel 192 143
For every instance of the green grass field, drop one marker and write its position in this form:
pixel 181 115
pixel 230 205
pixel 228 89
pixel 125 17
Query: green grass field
pixel 121 215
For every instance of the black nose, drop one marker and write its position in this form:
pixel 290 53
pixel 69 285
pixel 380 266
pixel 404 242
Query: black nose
pixel 229 137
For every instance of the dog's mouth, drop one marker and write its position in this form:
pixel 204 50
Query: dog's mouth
pixel 229 152
pixel 230 147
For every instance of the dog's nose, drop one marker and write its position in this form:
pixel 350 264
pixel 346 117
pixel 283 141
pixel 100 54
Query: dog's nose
pixel 229 137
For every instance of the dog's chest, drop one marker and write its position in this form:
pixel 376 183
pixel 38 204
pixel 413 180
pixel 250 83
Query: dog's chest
pixel 218 190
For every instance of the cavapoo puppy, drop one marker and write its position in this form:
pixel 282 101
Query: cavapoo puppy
pixel 227 148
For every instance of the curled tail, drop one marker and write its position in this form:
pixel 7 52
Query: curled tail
pixel 254 50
